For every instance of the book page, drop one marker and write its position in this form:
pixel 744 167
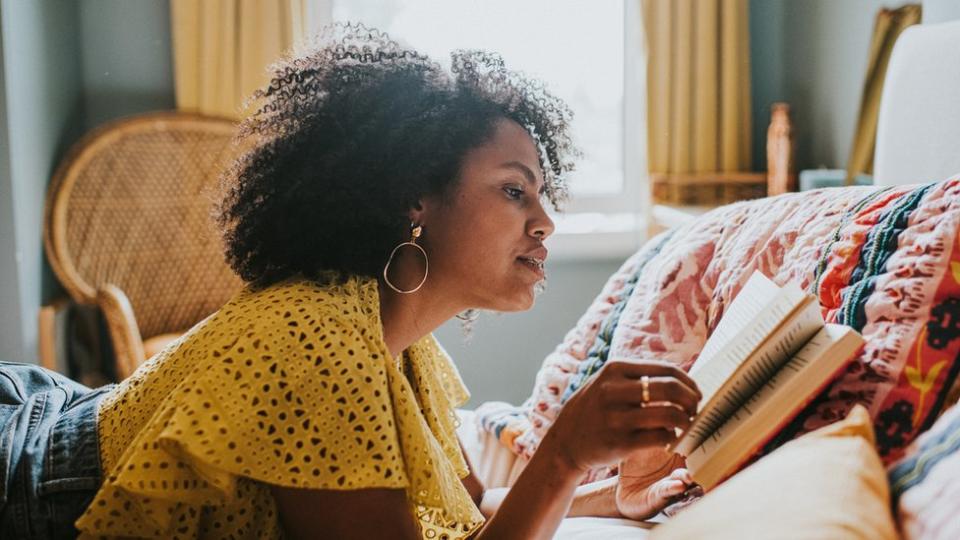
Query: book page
pixel 776 403
pixel 754 314
pixel 748 304
pixel 754 371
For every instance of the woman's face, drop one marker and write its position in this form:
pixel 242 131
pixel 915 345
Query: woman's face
pixel 485 240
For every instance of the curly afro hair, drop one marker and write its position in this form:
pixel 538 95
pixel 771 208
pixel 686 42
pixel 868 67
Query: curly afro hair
pixel 348 137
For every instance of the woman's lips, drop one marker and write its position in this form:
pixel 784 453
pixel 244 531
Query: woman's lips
pixel 533 264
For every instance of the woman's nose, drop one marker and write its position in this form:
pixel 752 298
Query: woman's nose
pixel 541 225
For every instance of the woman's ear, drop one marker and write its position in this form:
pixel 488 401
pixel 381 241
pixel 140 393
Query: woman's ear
pixel 426 208
pixel 418 212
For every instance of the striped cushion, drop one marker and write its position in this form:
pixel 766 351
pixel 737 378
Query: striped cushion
pixel 925 484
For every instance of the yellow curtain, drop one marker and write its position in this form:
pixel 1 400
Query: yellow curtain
pixel 889 24
pixel 222 48
pixel 698 85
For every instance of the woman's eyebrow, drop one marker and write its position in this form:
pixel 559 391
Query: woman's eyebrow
pixel 527 173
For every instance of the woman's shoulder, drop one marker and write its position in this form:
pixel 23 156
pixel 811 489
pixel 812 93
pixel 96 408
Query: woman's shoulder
pixel 345 298
pixel 301 305
pixel 294 317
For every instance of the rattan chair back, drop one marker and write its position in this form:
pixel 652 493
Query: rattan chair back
pixel 131 207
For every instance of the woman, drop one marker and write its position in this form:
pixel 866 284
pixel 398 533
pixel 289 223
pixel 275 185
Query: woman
pixel 381 196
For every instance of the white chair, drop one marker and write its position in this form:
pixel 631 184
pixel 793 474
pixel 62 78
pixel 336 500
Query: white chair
pixel 918 131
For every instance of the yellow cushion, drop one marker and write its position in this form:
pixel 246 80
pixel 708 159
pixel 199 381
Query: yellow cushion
pixel 827 484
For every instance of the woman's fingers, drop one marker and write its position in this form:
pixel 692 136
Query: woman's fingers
pixel 651 437
pixel 682 475
pixel 608 417
pixel 662 390
pixel 665 417
pixel 666 489
pixel 637 370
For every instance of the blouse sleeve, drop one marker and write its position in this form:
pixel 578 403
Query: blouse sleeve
pixel 284 405
pixel 295 407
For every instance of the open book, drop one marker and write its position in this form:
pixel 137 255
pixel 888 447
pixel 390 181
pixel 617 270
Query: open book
pixel 769 356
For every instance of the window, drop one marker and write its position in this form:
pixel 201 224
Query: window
pixel 590 55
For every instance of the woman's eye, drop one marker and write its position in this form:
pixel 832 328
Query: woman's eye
pixel 513 193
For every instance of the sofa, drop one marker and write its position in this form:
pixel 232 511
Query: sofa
pixel 884 259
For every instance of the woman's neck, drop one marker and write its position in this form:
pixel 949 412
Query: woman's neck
pixel 408 317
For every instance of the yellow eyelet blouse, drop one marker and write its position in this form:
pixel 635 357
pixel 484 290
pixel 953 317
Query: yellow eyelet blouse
pixel 289 385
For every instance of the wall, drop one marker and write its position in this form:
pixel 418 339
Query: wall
pixel 11 329
pixel 67 66
pixel 127 66
pixel 937 11
pixel 813 55
pixel 42 94
pixel 766 70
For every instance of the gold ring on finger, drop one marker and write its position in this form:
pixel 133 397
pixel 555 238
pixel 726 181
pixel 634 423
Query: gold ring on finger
pixel 645 388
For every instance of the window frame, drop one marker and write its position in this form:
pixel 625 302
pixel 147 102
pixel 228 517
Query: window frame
pixel 629 210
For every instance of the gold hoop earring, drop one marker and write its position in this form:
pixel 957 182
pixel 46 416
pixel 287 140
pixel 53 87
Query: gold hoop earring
pixel 414 234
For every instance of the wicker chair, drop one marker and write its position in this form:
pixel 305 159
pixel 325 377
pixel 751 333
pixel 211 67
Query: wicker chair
pixel 128 228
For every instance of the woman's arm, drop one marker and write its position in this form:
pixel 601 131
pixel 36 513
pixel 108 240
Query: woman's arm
pixel 611 497
pixel 348 514
pixel 596 499
pixel 540 498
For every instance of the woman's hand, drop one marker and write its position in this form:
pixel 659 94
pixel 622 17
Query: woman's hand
pixel 603 422
pixel 608 418
pixel 642 503
pixel 649 481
